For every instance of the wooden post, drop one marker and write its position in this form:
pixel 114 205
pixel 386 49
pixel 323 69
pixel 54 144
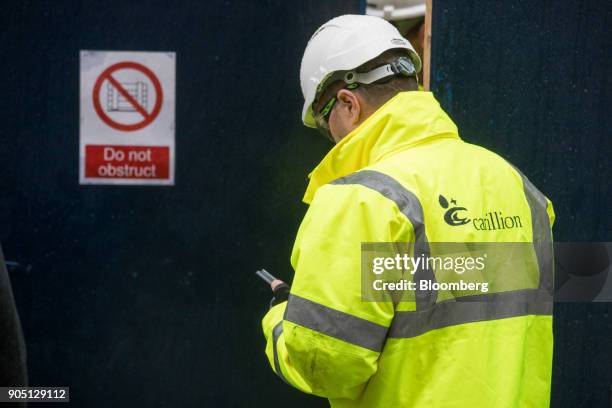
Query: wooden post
pixel 427 46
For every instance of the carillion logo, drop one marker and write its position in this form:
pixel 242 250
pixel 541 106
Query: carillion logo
pixel 491 221
pixel 452 215
pixel 495 220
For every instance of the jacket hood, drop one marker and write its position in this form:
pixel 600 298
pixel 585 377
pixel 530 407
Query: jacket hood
pixel 403 121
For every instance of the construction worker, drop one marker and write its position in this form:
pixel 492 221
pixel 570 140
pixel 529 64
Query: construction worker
pixel 399 172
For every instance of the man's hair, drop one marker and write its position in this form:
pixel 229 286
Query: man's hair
pixel 377 93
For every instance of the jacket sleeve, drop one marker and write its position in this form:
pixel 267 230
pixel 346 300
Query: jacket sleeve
pixel 325 340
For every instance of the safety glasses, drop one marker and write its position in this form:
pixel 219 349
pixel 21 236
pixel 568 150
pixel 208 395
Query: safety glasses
pixel 322 117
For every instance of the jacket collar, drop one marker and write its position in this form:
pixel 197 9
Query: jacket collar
pixel 405 120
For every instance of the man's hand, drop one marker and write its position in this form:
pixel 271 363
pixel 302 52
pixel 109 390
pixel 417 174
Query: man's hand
pixel 275 283
pixel 280 290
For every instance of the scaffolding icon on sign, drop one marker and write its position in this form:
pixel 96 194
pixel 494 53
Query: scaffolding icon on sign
pixel 116 102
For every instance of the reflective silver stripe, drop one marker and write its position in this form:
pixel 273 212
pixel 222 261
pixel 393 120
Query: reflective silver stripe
pixel 406 201
pixel 471 309
pixel 409 204
pixel 542 236
pixel 335 323
pixel 276 332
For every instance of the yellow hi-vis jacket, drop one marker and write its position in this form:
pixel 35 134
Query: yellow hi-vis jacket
pixel 382 183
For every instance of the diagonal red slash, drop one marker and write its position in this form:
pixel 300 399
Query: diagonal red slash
pixel 148 117
pixel 127 96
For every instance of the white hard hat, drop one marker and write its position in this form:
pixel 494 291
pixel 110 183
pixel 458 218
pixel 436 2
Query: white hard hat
pixel 344 43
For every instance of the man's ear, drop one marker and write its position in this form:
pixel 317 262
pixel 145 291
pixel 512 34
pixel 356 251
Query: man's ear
pixel 351 104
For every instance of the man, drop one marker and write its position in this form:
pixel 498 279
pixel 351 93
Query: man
pixel 400 173
pixel 13 371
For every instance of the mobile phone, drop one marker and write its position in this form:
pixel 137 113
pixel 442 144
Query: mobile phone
pixel 265 276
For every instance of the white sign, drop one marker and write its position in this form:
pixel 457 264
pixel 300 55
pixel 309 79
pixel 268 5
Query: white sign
pixel 127 117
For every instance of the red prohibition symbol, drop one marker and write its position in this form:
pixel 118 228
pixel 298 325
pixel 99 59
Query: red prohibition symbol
pixel 107 75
